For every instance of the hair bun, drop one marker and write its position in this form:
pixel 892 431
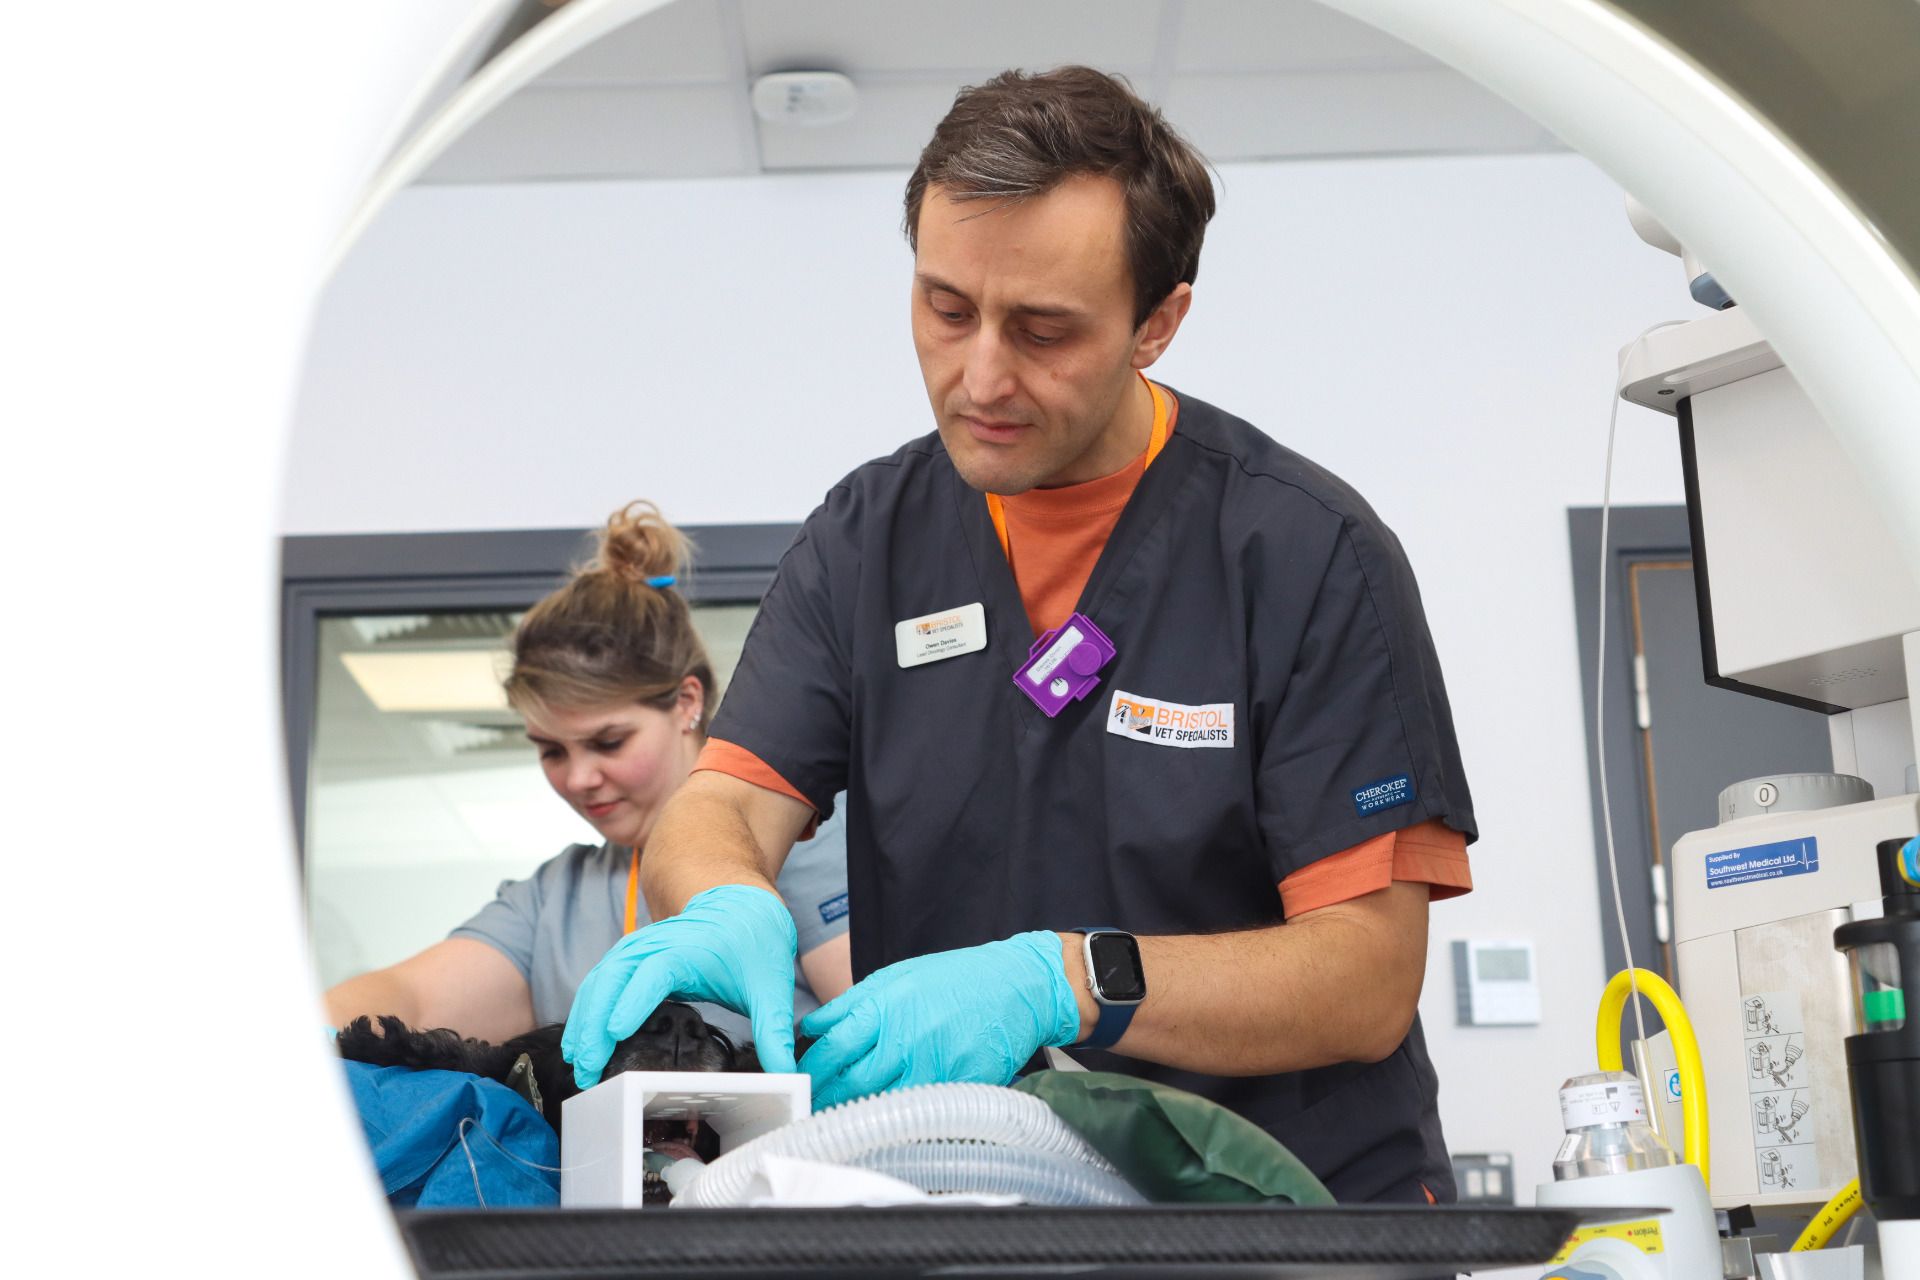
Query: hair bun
pixel 639 543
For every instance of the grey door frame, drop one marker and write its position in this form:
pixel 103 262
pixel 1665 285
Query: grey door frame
pixel 1635 534
pixel 331 575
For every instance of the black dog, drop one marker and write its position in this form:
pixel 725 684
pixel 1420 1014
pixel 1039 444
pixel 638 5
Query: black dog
pixel 675 1038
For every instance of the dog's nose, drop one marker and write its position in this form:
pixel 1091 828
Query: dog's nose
pixel 681 1032
pixel 676 1022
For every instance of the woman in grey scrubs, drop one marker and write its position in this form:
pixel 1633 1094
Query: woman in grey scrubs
pixel 616 690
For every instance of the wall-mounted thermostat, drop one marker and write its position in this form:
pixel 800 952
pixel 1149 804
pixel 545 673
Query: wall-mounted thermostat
pixel 1495 985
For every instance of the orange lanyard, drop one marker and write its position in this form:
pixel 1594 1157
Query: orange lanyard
pixel 997 508
pixel 633 893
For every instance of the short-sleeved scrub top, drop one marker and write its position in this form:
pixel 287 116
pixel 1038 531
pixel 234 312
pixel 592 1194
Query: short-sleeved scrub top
pixel 1275 699
pixel 557 923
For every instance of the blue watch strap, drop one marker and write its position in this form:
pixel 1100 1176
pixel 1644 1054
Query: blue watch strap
pixel 1110 1026
pixel 1113 1019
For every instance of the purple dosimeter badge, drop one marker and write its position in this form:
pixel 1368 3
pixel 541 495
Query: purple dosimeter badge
pixel 1064 664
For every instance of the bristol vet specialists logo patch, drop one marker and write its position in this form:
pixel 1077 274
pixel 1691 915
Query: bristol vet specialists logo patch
pixel 1170 724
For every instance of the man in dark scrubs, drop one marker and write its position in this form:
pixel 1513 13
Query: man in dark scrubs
pixel 1143 736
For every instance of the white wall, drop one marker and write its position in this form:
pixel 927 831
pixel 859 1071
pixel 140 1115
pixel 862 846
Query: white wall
pixel 1440 332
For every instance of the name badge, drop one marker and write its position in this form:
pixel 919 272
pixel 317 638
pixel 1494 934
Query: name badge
pixel 946 634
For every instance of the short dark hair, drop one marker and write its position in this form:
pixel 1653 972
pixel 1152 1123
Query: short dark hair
pixel 1021 135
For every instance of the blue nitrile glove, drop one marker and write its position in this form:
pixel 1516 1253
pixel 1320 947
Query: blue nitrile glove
pixel 733 945
pixel 976 1014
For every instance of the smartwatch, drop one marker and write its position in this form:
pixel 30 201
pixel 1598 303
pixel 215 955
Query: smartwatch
pixel 1116 979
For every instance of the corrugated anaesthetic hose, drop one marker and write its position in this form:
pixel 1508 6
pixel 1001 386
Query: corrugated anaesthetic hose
pixel 1038 1177
pixel 951 1114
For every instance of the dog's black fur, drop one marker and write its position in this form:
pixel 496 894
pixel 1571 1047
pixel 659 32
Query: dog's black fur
pixel 675 1038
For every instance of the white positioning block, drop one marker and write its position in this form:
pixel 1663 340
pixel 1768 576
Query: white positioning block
pixel 603 1150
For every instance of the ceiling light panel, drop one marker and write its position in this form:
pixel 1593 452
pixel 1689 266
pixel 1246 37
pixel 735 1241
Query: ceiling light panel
pixel 683 42
pixel 885 36
pixel 446 681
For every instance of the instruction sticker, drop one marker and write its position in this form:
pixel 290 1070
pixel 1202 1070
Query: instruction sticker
pixel 1782 1097
pixel 1763 862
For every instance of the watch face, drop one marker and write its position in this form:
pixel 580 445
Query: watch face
pixel 1117 973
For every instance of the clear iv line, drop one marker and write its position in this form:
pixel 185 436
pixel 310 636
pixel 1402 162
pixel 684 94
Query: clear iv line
pixel 1600 685
pixel 544 1168
pixel 474 1168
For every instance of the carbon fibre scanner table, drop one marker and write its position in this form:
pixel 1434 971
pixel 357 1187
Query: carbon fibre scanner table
pixel 1357 1243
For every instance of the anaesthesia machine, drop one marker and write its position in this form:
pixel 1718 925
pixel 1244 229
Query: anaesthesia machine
pixel 1794 1067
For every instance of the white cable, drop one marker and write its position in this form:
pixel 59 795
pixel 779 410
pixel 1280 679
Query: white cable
pixel 1600 682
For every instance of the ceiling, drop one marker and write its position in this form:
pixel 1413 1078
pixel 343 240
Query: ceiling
pixel 666 96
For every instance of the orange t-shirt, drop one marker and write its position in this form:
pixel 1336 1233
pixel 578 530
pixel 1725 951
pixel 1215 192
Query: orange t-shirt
pixel 1053 539
pixel 1055 536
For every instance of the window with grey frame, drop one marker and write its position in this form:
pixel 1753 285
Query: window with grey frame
pixel 414 790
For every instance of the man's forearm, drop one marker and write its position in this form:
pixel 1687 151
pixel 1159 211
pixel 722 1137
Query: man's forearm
pixel 715 831
pixel 1337 985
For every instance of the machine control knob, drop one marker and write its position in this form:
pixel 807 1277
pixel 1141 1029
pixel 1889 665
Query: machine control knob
pixel 1792 793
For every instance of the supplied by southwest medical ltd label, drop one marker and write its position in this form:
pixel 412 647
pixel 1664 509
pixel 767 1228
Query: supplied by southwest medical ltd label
pixel 1763 862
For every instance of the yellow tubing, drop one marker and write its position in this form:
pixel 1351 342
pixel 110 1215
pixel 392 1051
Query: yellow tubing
pixel 1686 1052
pixel 1832 1216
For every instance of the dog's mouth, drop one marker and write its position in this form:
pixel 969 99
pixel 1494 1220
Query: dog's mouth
pixel 670 1141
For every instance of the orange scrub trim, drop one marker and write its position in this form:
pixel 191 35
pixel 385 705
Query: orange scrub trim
pixel 721 756
pixel 1430 853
